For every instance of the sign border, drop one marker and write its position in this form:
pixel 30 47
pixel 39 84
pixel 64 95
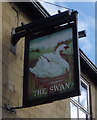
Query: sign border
pixel 76 57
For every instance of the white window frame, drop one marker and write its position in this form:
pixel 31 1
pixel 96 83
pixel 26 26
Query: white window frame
pixel 77 103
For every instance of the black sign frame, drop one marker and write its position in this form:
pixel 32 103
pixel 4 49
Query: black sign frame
pixel 76 91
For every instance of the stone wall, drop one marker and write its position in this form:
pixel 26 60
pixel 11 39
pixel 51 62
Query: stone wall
pixel 0 60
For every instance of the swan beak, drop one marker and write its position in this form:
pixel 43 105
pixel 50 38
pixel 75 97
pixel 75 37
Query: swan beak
pixel 66 47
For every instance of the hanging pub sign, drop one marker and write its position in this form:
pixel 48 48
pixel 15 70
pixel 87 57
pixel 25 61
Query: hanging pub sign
pixel 51 69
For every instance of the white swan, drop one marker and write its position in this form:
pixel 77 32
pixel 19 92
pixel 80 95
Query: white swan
pixel 51 65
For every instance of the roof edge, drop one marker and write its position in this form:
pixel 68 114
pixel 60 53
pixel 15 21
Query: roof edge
pixel 89 62
pixel 41 9
pixel 33 9
pixel 88 67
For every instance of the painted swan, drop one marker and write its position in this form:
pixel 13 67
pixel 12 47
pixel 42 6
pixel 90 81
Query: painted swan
pixel 51 65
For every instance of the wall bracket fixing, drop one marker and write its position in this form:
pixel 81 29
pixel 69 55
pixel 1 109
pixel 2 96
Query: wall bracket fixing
pixel 9 108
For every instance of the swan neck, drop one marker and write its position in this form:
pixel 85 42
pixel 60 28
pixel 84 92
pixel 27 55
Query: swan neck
pixel 58 52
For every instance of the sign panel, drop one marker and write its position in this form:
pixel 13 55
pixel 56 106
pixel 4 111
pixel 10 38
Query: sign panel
pixel 51 70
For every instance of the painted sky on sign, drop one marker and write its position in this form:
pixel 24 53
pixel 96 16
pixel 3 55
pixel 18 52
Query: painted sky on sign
pixel 51 40
pixel 86 21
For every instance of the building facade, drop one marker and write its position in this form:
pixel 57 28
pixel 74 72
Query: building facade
pixel 84 106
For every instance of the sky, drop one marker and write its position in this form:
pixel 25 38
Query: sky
pixel 86 21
